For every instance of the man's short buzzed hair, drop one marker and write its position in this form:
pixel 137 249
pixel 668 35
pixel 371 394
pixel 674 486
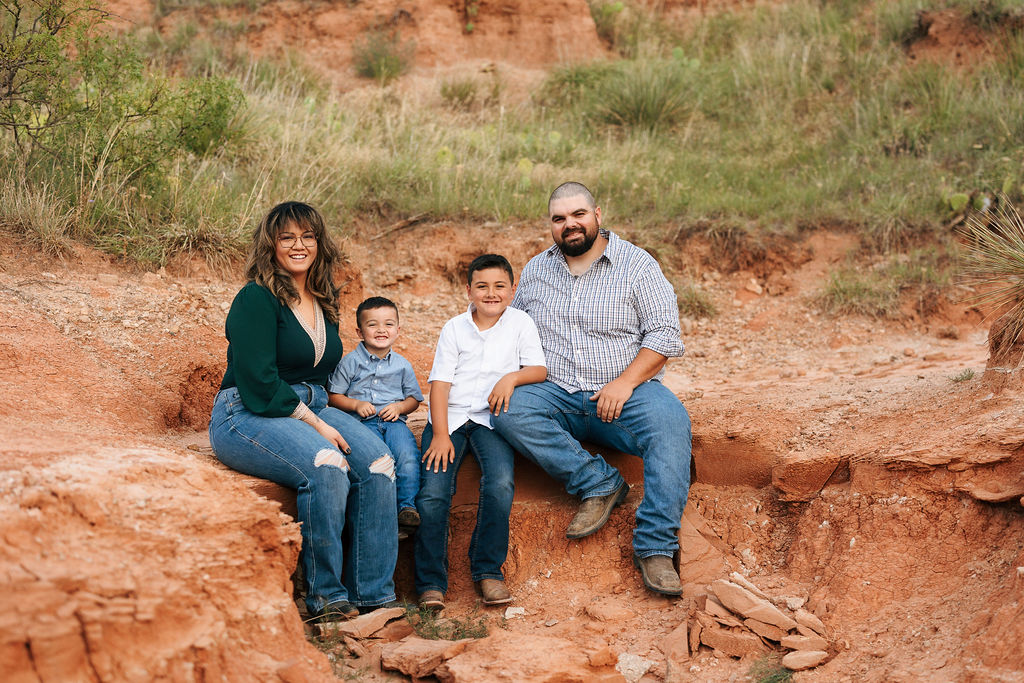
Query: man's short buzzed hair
pixel 572 189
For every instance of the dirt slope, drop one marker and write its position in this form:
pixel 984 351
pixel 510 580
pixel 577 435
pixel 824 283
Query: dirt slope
pixel 836 463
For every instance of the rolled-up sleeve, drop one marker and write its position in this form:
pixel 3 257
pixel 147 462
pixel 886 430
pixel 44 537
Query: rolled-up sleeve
pixel 658 311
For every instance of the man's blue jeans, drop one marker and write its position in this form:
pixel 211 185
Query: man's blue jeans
pixel 402 445
pixel 546 424
pixel 488 546
pixel 354 503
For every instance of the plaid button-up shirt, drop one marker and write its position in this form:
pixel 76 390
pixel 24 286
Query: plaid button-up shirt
pixel 592 326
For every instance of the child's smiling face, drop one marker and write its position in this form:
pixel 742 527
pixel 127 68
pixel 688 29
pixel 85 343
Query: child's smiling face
pixel 490 291
pixel 378 329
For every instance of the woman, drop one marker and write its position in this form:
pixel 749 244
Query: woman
pixel 271 418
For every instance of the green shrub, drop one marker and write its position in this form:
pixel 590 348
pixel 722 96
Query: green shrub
pixel 606 15
pixel 91 123
pixel 382 55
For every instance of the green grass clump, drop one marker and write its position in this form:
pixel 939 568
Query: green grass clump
pixel 37 214
pixel 880 291
pixel 850 292
pixel 963 376
pixel 382 55
pixel 429 624
pixel 769 669
pixel 606 15
pixel 645 95
pixel 459 93
pixel 694 302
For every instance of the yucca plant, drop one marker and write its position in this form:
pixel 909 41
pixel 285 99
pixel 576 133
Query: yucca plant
pixel 994 265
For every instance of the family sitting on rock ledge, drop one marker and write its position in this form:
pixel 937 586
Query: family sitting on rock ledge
pixel 575 352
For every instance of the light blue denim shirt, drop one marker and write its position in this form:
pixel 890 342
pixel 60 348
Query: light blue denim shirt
pixel 381 381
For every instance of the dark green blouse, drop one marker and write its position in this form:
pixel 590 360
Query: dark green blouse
pixel 268 350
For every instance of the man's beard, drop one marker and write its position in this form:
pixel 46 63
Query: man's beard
pixel 579 248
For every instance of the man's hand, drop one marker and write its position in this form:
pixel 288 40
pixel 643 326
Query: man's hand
pixel 365 409
pixel 501 394
pixel 440 452
pixel 611 397
pixel 390 412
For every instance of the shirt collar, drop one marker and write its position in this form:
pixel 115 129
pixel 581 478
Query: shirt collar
pixel 369 356
pixel 499 321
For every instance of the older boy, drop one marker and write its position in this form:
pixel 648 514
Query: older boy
pixel 380 386
pixel 482 355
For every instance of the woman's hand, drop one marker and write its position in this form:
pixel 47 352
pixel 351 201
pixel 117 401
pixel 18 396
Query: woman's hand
pixel 332 435
pixel 440 452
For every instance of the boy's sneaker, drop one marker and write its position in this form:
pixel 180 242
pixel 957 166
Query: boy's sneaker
pixel 408 517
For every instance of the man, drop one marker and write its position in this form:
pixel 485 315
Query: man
pixel 608 322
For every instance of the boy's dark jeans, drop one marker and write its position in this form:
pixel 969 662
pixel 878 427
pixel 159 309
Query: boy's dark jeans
pixel 489 544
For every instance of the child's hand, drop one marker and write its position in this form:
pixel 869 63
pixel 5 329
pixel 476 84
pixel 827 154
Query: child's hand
pixel 501 394
pixel 365 409
pixel 389 413
pixel 441 452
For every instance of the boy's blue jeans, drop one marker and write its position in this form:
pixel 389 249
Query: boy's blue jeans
pixel 353 503
pixel 488 546
pixel 546 423
pixel 403 447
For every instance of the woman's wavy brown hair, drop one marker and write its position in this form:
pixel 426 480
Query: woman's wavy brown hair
pixel 264 269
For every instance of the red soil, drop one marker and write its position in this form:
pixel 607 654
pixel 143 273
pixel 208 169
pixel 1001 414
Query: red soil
pixel 835 461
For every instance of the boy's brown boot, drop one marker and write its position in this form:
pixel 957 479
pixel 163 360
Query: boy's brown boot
pixel 433 600
pixel 494 591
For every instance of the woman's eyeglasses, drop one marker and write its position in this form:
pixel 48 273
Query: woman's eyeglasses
pixel 288 241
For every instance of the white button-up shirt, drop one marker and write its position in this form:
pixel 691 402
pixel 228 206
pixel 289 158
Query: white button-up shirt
pixel 473 360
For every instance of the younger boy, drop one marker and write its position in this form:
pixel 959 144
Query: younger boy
pixel 482 355
pixel 380 386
